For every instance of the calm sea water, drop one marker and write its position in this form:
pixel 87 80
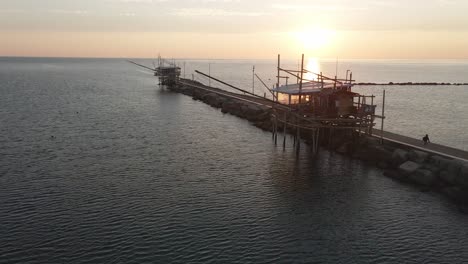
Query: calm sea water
pixel 99 165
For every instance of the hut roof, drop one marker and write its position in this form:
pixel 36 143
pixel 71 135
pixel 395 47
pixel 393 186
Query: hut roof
pixel 307 88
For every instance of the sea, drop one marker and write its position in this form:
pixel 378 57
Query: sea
pixel 100 164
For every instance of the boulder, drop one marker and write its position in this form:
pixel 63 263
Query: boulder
pixel 222 99
pixel 263 116
pixel 394 174
pixel 462 177
pixel 212 99
pixel 455 167
pixel 423 177
pixel 427 166
pixel 255 110
pixel 447 177
pixel 198 94
pixel 418 156
pixel 372 141
pixel 409 167
pixel 230 107
pixel 399 157
pixel 373 154
pixel 244 110
pixel 382 165
pixel 440 162
pixel 264 125
pixel 457 194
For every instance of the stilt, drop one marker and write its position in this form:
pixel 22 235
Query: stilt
pixel 272 128
pixel 313 140
pixel 317 140
pixel 284 130
pixel 383 117
pixel 298 136
pixel 276 129
pixel 294 139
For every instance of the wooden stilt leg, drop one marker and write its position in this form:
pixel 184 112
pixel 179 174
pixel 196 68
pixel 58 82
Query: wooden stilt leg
pixel 284 131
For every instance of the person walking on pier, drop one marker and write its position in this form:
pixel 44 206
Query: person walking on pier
pixel 426 139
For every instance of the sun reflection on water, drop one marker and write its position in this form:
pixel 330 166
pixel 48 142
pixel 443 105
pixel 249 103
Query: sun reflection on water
pixel 313 68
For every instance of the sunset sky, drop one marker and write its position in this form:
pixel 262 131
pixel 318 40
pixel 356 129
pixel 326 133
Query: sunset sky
pixel 348 29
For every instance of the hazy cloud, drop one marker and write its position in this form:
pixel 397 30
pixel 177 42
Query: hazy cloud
pixel 185 12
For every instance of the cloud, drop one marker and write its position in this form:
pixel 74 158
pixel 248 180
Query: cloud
pixel 136 1
pixel 68 12
pixel 322 7
pixel 211 12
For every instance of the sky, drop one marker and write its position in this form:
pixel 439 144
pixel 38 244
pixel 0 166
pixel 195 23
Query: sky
pixel 235 29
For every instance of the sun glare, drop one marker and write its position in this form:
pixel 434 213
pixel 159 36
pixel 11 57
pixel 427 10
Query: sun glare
pixel 313 66
pixel 314 39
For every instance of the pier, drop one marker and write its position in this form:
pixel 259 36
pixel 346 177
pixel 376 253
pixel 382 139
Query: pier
pixel 326 114
pixel 431 167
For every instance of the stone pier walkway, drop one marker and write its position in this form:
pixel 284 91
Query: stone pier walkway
pixel 418 144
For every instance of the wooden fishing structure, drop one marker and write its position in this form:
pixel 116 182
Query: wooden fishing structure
pixel 317 108
pixel 321 105
pixel 167 71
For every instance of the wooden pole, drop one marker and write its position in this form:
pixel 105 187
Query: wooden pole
pixel 336 70
pixel 284 130
pixel 276 128
pixel 360 115
pixel 383 117
pixel 253 79
pixel 209 73
pixel 312 132
pixel 268 89
pixel 372 116
pixel 297 77
pixel 300 108
pixel 315 140
pixel 300 83
pixel 141 65
pixel 321 79
pixel 232 86
pixel 274 110
pixel 278 76
pixel 273 127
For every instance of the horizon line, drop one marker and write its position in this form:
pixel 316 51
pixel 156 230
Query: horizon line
pixel 225 59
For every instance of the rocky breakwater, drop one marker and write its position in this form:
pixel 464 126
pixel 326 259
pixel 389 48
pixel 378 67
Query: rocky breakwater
pixel 424 169
pixel 234 104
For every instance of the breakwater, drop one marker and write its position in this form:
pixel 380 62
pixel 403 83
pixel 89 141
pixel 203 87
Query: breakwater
pixel 402 162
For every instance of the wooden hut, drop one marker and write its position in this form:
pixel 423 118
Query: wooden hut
pixel 168 75
pixel 319 99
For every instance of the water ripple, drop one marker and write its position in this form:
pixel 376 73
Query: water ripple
pixel 135 174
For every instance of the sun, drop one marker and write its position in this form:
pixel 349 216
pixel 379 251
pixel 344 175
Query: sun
pixel 314 39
